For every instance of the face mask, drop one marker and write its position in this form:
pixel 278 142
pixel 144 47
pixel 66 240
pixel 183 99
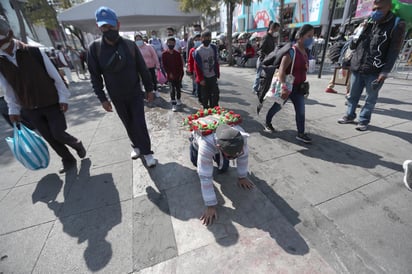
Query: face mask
pixel 197 43
pixel 206 43
pixel 111 35
pixel 308 42
pixel 275 34
pixel 139 43
pixel 171 46
pixel 5 45
pixel 196 32
pixel 376 15
pixel 153 35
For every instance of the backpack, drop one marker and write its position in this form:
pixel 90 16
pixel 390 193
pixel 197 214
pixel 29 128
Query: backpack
pixel 335 51
pixel 275 57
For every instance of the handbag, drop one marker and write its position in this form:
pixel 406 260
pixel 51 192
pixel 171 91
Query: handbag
pixel 161 78
pixel 275 91
pixel 28 148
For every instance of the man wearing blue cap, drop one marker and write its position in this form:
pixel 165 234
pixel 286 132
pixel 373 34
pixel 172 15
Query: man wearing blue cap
pixel 119 62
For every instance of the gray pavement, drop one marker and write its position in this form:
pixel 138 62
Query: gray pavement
pixel 336 206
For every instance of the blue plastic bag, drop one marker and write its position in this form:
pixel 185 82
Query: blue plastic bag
pixel 28 148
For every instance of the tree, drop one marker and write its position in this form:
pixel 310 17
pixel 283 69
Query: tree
pixel 204 5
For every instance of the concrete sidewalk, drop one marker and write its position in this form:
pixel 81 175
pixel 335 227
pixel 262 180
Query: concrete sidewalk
pixel 337 206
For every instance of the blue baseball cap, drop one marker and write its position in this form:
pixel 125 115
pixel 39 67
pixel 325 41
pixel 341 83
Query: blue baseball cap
pixel 105 15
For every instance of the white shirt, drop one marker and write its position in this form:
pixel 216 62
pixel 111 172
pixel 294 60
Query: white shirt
pixel 10 95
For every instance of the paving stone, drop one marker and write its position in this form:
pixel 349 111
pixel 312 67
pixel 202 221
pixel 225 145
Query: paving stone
pixel 97 240
pixel 19 250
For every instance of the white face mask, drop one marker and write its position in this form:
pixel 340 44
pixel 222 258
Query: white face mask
pixel 275 34
pixel 5 45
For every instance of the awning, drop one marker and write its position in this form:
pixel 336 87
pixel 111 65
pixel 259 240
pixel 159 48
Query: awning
pixel 133 15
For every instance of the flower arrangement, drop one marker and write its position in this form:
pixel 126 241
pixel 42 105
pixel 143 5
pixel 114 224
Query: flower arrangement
pixel 205 121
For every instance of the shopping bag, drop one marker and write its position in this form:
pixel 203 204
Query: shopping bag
pixel 161 78
pixel 275 90
pixel 28 148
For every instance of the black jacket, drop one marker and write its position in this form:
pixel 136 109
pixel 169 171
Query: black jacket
pixel 123 81
pixel 378 47
pixel 267 46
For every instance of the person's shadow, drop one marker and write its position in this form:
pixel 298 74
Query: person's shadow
pixel 90 209
pixel 247 208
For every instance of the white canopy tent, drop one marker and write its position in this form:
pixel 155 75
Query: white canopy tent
pixel 132 14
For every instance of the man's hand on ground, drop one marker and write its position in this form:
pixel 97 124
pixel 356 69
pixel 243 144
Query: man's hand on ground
pixel 245 183
pixel 107 106
pixel 209 215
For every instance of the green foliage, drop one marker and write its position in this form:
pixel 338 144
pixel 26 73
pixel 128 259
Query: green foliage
pixel 41 13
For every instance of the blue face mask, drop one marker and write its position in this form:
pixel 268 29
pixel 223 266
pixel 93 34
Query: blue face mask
pixel 139 43
pixel 197 43
pixel 376 15
pixel 308 42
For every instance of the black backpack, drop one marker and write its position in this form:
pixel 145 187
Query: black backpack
pixel 335 51
pixel 274 58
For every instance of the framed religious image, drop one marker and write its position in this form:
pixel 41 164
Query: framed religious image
pixel 341 76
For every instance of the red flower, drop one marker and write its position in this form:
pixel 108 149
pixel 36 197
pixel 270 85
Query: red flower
pixel 209 111
pixel 195 116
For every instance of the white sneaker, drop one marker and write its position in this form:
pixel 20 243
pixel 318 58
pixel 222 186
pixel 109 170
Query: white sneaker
pixel 150 160
pixel 178 102
pixel 157 94
pixel 407 179
pixel 174 108
pixel 135 153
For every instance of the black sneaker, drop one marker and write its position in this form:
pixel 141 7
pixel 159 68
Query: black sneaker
pixel 303 137
pixel 269 128
pixel 346 120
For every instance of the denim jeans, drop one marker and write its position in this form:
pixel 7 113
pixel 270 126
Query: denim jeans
pixel 298 100
pixel 257 79
pixel 358 82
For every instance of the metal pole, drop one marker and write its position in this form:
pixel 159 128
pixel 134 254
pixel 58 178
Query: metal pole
pixel 327 38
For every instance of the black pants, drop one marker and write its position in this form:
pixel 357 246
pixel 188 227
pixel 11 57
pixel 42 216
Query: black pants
pixel 51 123
pixel 209 93
pixel 176 90
pixel 131 112
pixel 154 77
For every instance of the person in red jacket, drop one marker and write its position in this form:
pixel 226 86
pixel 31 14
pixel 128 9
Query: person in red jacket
pixel 191 65
pixel 249 53
pixel 173 65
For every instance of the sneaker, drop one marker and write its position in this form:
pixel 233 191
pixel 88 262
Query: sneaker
pixel 259 108
pixel 361 127
pixel 178 102
pixel 174 108
pixel 330 90
pixel 135 153
pixel 157 94
pixel 346 120
pixel 269 128
pixel 303 137
pixel 407 179
pixel 150 160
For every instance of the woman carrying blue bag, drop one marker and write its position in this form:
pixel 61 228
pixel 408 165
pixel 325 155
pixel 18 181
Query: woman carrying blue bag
pixel 33 88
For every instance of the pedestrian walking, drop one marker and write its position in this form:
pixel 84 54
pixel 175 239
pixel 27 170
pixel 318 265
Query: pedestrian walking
pixel 267 45
pixel 207 71
pixel 375 52
pixel 119 62
pixel 150 58
pixel 34 89
pixel 173 65
pixel 63 63
pixel 191 66
pixel 296 57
